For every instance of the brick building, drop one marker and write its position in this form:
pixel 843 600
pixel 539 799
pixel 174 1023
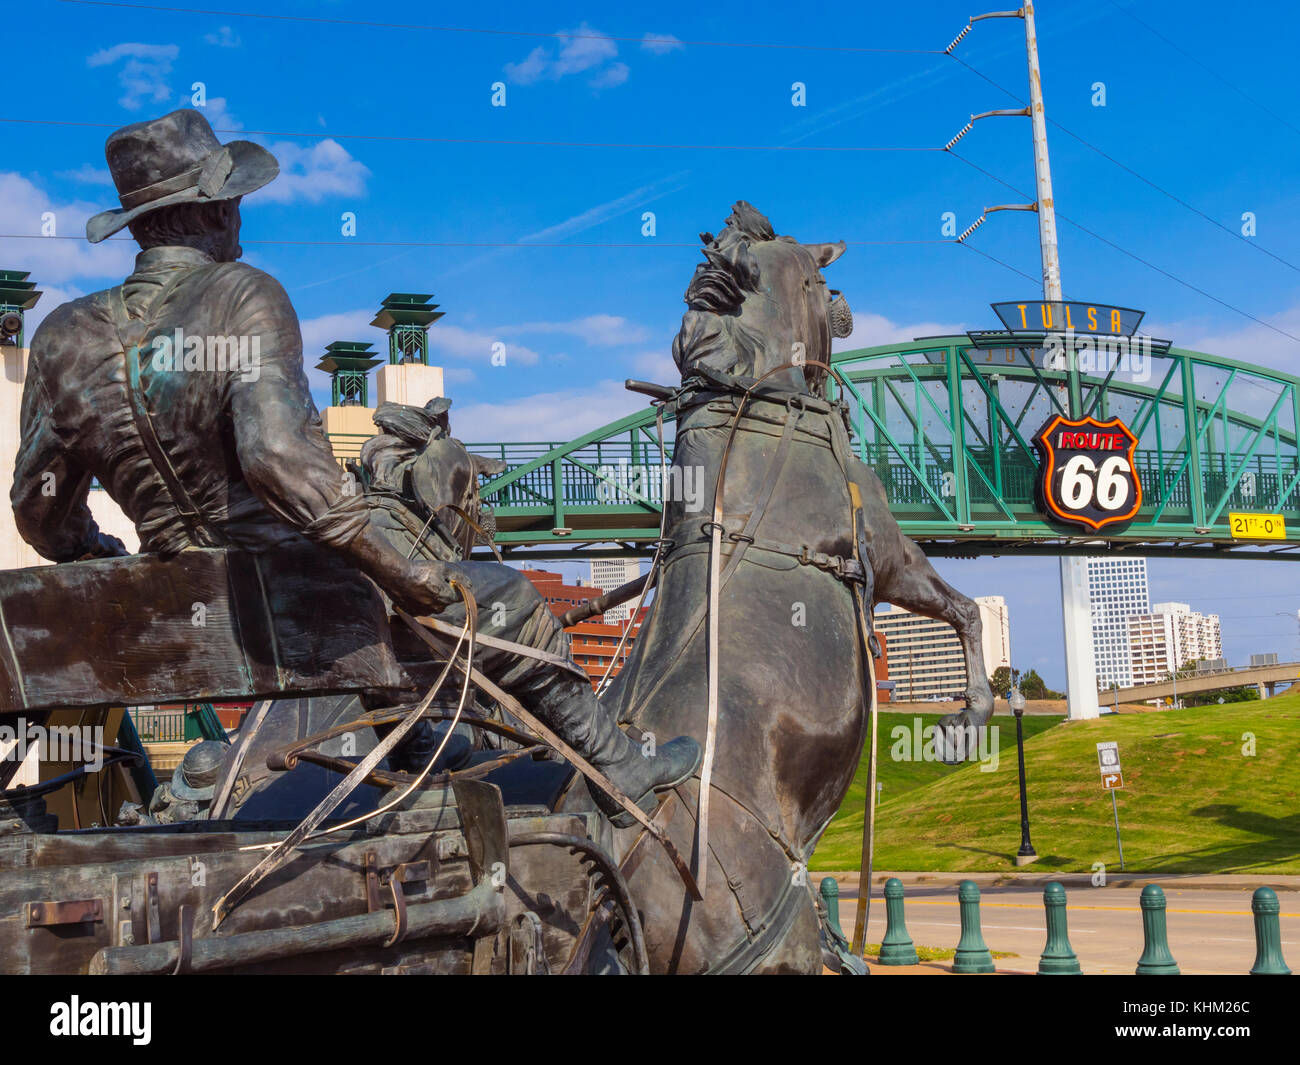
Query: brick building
pixel 594 642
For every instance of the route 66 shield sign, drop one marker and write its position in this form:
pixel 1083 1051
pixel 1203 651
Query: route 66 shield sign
pixel 1086 474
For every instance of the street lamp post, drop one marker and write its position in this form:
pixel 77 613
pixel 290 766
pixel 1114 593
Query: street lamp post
pixel 1016 700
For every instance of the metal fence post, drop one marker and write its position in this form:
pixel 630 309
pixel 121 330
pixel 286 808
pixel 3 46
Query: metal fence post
pixel 896 948
pixel 830 892
pixel 1268 934
pixel 1156 959
pixel 972 954
pixel 1058 957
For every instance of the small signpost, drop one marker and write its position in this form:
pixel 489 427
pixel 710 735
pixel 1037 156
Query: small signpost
pixel 1112 778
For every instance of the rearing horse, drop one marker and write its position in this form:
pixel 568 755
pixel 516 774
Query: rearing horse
pixel 807 546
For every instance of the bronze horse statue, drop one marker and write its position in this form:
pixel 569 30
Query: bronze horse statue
pixel 806 546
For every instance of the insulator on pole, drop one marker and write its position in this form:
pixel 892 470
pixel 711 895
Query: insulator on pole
pixel 972 227
pixel 956 40
pixel 960 134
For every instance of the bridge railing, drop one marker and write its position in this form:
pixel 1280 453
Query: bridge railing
pixel 606 472
pixel 948 425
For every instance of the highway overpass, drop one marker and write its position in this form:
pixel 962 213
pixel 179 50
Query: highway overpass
pixel 1265 678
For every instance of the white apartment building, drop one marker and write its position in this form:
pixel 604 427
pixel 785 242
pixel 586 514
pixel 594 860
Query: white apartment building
pixel 1117 590
pixel 1165 639
pixel 925 656
pixel 610 573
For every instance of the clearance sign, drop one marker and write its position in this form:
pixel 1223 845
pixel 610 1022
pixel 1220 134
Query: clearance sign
pixel 1087 475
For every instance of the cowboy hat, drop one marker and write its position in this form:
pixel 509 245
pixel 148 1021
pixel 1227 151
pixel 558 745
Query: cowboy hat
pixel 176 159
pixel 195 779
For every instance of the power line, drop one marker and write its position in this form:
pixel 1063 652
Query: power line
pixel 1145 180
pixel 471 243
pixel 498 33
pixel 1132 255
pixel 994 258
pixel 1210 70
pixel 325 135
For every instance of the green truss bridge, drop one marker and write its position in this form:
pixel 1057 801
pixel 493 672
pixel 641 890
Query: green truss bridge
pixel 947 423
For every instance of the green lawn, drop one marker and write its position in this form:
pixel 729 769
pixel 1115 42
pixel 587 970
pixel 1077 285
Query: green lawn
pixel 1194 803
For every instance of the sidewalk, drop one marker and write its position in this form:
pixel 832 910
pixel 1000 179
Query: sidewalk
pixel 1027 879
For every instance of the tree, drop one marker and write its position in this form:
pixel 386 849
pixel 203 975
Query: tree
pixel 1000 682
pixel 1032 686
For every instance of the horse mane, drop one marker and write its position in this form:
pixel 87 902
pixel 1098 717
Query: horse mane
pixel 712 330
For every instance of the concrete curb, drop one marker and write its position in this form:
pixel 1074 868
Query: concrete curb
pixel 1177 882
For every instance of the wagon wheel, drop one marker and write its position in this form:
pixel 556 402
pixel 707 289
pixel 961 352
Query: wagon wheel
pixel 611 903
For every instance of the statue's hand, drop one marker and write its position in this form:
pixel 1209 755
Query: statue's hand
pixel 429 590
pixel 105 546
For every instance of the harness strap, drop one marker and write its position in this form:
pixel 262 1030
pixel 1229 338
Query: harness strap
pixel 509 645
pixel 130 333
pixel 716 579
pixel 849 570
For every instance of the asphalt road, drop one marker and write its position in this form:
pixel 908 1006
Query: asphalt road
pixel 1210 931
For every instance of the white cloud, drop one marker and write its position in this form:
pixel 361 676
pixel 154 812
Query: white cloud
pixel 870 329
pixel 1250 342
pixel 345 325
pixel 660 43
pixel 575 56
pixel 224 37
pixel 455 342
pixel 613 75
pixel 605 330
pixel 657 367
pixel 314 173
pixel 307 174
pixel 143 76
pixel 556 416
pixel 52 260
pixel 603 212
pixel 88 175
pixel 217 112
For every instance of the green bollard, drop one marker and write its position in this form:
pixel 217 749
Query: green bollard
pixel 897 947
pixel 1156 959
pixel 830 892
pixel 972 955
pixel 1058 957
pixel 1268 934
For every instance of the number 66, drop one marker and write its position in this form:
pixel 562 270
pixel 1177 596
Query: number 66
pixel 1080 479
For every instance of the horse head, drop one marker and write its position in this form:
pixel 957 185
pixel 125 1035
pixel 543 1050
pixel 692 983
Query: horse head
pixel 759 302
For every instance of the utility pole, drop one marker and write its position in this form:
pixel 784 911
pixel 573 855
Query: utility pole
pixel 1076 613
pixel 1042 168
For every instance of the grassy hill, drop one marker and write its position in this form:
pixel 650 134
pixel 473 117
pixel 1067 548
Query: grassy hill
pixel 1194 803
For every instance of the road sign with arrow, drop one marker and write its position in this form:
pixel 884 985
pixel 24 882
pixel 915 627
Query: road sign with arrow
pixel 1112 775
pixel 1112 778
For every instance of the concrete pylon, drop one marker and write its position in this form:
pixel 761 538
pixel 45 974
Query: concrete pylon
pixel 1080 659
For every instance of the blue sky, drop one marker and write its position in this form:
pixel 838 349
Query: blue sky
pixel 333 102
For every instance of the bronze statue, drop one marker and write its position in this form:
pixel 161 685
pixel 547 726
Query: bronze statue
pixel 806 546
pixel 183 392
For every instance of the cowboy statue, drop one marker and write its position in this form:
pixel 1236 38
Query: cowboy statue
pixel 232 455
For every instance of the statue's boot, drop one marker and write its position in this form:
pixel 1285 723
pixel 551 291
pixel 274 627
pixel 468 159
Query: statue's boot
pixel 570 707
pixel 563 697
